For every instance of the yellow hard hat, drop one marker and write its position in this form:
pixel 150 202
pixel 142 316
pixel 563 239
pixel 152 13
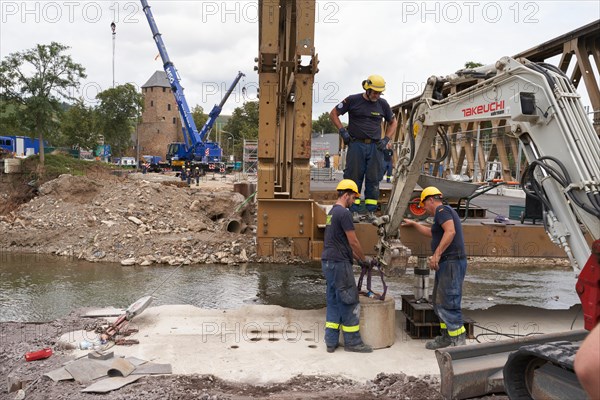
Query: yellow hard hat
pixel 374 82
pixel 347 184
pixel 429 191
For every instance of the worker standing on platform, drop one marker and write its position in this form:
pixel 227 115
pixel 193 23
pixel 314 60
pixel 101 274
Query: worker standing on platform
pixel 340 247
pixel 450 264
pixel 327 160
pixel 364 159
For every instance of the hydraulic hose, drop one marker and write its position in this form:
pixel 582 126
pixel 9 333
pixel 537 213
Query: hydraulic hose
pixel 446 144
pixel 560 175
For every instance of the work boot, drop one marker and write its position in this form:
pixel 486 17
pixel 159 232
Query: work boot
pixel 439 342
pixel 459 340
pixel 371 217
pixel 331 349
pixel 359 348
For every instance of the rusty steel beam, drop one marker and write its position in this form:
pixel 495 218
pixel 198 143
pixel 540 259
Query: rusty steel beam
pixel 481 240
pixel 287 63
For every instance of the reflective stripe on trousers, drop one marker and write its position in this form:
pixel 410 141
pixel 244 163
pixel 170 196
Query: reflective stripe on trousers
pixel 343 308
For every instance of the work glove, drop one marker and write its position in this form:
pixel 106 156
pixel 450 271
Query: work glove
pixel 345 136
pixel 369 262
pixel 382 144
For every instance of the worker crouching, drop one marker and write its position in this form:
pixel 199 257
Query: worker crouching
pixel 340 247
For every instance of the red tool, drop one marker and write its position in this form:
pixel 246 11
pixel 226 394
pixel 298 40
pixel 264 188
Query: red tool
pixel 38 355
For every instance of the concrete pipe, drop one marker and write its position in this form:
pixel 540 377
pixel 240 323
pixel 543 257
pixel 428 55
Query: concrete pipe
pixel 235 226
pixel 377 322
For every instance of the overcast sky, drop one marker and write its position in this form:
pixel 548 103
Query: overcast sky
pixel 209 41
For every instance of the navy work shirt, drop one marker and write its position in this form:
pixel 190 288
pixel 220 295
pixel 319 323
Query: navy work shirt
pixel 445 213
pixel 364 116
pixel 336 246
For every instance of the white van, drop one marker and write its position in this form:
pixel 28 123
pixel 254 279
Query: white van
pixel 127 162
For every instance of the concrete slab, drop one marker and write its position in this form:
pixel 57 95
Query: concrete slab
pixel 85 370
pixel 103 312
pixel 59 374
pixel 110 384
pixel 153 369
pixel 262 344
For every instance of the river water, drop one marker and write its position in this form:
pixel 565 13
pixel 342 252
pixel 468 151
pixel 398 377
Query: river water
pixel 36 288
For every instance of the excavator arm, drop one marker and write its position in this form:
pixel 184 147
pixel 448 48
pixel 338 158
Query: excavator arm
pixel 545 113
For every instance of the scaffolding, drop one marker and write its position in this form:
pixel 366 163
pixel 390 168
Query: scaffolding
pixel 250 157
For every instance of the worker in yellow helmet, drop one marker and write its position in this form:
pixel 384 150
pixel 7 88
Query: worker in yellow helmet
pixel 340 247
pixel 450 264
pixel 364 139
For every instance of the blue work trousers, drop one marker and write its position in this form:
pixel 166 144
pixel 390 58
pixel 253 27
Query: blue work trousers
pixel 447 292
pixel 363 163
pixel 387 170
pixel 343 307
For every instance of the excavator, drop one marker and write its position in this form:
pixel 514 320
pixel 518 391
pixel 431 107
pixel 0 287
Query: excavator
pixel 545 113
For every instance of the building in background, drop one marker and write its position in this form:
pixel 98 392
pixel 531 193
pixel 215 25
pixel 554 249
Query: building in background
pixel 323 143
pixel 161 123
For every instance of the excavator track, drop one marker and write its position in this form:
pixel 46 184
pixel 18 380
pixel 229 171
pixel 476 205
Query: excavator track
pixel 543 371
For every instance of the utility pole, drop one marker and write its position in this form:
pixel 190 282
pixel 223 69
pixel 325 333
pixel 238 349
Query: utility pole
pixel 137 137
pixel 113 27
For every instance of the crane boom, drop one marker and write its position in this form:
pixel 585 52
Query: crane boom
pixel 189 127
pixel 195 149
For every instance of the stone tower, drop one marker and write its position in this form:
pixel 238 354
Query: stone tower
pixel 160 124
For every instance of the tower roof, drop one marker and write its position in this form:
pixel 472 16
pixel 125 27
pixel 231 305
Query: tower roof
pixel 158 79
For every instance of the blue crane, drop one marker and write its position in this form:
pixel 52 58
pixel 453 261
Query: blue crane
pixel 195 149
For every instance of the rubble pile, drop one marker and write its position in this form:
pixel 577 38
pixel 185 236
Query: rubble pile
pixel 132 221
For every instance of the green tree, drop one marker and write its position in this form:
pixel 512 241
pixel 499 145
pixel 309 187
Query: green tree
pixel 243 124
pixel 118 113
pixel 10 112
pixel 199 117
pixel 323 124
pixel 78 126
pixel 36 80
pixel 473 64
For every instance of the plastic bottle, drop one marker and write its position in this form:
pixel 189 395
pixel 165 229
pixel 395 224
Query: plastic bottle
pixel 85 345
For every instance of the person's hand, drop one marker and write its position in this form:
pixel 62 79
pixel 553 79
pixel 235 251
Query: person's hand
pixel 434 262
pixel 382 144
pixel 408 222
pixel 345 135
pixel 366 263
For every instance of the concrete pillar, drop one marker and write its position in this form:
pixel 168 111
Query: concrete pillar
pixel 378 321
